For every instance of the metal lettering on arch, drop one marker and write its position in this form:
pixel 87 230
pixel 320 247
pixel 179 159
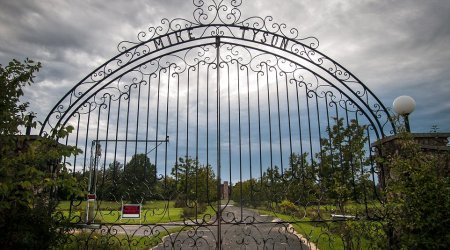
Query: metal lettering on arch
pixel 219 127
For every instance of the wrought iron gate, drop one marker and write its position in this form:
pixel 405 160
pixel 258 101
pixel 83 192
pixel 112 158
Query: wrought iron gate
pixel 217 132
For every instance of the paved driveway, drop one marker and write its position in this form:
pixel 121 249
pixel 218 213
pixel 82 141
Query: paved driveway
pixel 241 229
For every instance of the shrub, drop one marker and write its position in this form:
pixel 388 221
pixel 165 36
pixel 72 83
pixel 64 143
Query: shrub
pixel 31 172
pixel 194 211
pixel 287 206
pixel 180 203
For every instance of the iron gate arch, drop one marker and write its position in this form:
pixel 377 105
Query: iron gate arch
pixel 194 104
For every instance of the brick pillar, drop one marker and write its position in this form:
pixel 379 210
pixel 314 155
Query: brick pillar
pixel 430 143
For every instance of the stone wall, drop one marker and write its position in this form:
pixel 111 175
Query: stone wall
pixel 431 143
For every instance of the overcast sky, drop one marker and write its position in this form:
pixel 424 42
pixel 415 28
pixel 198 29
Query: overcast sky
pixel 395 47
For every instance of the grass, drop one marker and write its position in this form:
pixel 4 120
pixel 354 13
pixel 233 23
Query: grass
pixel 322 234
pixel 315 224
pixel 112 205
pixel 153 212
pixel 94 240
pixel 310 230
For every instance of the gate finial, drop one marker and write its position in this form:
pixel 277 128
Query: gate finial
pixel 212 11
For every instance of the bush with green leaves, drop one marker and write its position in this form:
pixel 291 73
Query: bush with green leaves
pixel 193 211
pixel 417 208
pixel 288 207
pixel 31 172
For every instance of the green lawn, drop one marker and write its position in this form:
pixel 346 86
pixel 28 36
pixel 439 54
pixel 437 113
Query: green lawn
pixel 153 212
pixel 112 205
pixel 89 240
pixel 322 234
pixel 319 233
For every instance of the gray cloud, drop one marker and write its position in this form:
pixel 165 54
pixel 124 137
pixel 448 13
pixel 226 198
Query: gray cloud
pixel 394 47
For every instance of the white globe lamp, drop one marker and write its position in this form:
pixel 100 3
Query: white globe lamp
pixel 404 105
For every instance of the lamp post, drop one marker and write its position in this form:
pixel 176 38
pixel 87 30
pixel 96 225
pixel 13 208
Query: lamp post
pixel 404 105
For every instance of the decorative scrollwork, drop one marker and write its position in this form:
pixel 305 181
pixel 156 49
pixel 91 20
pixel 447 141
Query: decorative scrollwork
pixel 249 90
pixel 210 19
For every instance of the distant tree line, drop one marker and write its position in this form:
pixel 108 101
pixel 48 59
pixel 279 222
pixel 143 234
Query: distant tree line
pixel 190 182
pixel 338 174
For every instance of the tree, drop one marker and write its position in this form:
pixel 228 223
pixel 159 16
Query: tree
pixel 301 187
pixel 138 179
pixel 273 185
pixel 109 183
pixel 195 182
pixel 13 78
pixel 31 171
pixel 414 213
pixel 248 193
pixel 341 163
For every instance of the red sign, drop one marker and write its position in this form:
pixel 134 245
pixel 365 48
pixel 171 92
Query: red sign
pixel 131 211
pixel 91 197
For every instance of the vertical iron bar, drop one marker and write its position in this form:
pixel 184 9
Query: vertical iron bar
pixel 76 145
pixel 167 130
pixel 289 119
pixel 270 118
pixel 330 129
pixel 86 139
pixel 339 164
pixel 249 139
pixel 352 166
pixel 75 161
pixel 229 124
pixel 107 139
pixel 297 85
pixel 126 130
pixel 259 130
pixel 240 137
pixel 95 152
pixel 157 120
pixel 187 138
pixel 279 124
pixel 320 132
pixel 137 124
pixel 320 135
pixel 309 123
pixel 372 168
pixel 67 143
pixel 302 167
pixel 147 122
pixel 219 212
pixel 196 143
pixel 362 169
pixel 178 126
pixel 64 162
pixel 207 131
pixel 343 167
pixel 115 147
